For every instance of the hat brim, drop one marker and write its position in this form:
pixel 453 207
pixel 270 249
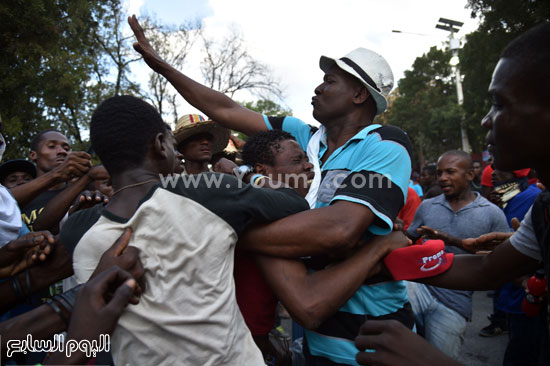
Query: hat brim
pixel 220 134
pixel 17 165
pixel 325 63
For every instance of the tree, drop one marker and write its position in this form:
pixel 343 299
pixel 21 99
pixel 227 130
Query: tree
pixel 174 45
pixel 45 64
pixel 116 52
pixel 267 107
pixel 228 68
pixel 425 106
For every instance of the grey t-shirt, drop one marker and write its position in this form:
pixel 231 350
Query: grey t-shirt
pixel 524 240
pixel 477 218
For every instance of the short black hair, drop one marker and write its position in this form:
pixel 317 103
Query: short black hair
pixel 35 142
pixel 121 129
pixel 259 148
pixel 460 154
pixel 531 51
pixel 430 169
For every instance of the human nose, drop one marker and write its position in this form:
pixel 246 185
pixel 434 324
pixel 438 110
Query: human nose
pixel 308 166
pixel 487 122
pixel 61 151
pixel 318 89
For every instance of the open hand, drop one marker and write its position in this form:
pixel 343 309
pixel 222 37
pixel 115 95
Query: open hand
pixel 87 199
pixel 395 344
pixel 23 252
pixel 150 56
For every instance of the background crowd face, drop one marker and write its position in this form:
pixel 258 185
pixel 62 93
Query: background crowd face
pixel 198 148
pixel 16 179
pixel 454 175
pixel 517 120
pixel 52 151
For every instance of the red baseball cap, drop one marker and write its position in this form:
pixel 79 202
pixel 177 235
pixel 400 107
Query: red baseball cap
pixel 419 261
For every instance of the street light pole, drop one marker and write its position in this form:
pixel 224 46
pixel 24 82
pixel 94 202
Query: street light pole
pixel 453 26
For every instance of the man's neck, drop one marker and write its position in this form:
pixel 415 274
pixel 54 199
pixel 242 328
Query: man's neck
pixel 130 187
pixel 195 167
pixel 461 200
pixel 341 131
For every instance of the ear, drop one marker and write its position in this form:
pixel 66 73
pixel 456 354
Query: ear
pixel 33 156
pixel 261 169
pixel 158 145
pixel 361 95
pixel 470 174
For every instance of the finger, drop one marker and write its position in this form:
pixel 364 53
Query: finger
pixel 515 223
pixel 372 327
pixel 121 297
pixel 80 154
pixel 366 358
pixel 122 242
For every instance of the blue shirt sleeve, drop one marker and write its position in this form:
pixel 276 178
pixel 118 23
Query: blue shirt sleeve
pixel 301 131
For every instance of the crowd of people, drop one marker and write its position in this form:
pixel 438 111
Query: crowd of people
pixel 187 253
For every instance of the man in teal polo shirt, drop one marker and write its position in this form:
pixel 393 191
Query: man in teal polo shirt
pixel 362 173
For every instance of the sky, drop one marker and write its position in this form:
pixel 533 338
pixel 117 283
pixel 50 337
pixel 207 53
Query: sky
pixel 290 35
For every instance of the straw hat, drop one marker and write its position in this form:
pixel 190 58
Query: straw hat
pixel 193 124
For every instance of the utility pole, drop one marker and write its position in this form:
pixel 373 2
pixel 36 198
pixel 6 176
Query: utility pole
pixel 453 26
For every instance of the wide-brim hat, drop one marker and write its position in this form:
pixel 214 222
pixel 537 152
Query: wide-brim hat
pixel 193 124
pixel 370 68
pixel 17 165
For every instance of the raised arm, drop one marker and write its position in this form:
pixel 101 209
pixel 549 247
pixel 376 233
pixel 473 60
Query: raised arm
pixel 214 104
pixel 76 164
pixel 312 297
pixel 58 206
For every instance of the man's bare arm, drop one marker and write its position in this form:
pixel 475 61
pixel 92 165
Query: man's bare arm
pixel 76 164
pixel 312 297
pixel 326 230
pixel 485 272
pixel 214 104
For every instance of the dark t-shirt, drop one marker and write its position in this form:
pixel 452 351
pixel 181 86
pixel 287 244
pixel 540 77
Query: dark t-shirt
pixel 30 212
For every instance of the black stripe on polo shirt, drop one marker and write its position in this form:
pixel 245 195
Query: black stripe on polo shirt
pixel 276 122
pixel 384 195
pixel 395 134
pixel 346 325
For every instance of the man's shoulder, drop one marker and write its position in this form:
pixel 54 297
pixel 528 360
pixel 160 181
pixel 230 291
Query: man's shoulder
pixel 77 225
pixel 481 202
pixel 393 134
pixel 435 200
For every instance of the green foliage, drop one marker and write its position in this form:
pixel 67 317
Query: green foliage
pixel 426 107
pixel 54 66
pixel 267 107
